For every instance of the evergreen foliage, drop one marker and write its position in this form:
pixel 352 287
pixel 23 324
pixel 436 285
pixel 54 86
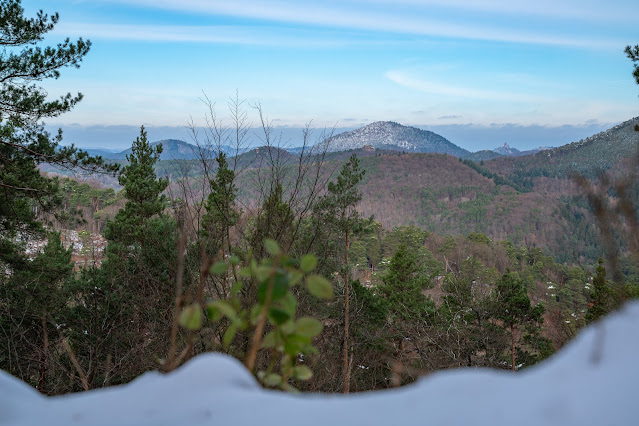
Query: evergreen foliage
pixel 601 297
pixel 221 212
pixel 633 55
pixel 24 144
pixel 513 308
pixel 34 303
pixel 402 286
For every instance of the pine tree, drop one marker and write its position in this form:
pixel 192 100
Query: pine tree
pixel 141 264
pixel 513 307
pixel 34 301
pixel 633 55
pixel 402 285
pixel 601 297
pixel 221 212
pixel 24 144
pixel 337 209
pixel 143 191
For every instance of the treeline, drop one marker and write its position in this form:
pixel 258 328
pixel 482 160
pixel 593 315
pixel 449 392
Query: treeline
pixel 406 301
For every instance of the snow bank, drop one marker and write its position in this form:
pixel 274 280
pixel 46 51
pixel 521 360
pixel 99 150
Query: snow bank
pixel 593 381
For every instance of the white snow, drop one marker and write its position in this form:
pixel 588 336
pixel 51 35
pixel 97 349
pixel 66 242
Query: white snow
pixel 592 381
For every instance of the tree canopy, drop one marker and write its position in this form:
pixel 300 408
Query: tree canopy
pixel 24 143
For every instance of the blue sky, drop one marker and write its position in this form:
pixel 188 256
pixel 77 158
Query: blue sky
pixel 433 63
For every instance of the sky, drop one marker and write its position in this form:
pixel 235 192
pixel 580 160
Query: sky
pixel 485 65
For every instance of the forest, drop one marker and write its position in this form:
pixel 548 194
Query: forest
pixel 293 264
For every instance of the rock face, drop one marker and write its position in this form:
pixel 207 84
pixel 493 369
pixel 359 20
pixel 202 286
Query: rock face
pixel 507 150
pixel 394 136
pixel 591 381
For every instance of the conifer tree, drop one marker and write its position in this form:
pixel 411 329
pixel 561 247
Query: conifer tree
pixel 141 264
pixel 34 301
pixel 338 208
pixel 601 296
pixel 402 285
pixel 24 144
pixel 143 191
pixel 221 212
pixel 513 307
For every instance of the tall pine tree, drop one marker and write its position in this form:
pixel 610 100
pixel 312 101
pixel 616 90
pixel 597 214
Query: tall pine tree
pixel 24 144
pixel 338 209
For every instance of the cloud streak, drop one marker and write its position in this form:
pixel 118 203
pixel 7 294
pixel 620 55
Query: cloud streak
pixel 427 86
pixel 213 34
pixel 355 16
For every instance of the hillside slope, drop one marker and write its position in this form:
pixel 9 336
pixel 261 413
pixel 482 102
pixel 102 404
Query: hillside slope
pixel 589 156
pixel 444 195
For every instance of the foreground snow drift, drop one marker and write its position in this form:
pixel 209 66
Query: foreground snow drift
pixel 593 381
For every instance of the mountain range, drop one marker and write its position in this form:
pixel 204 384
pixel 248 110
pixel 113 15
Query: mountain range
pixel 172 149
pixel 528 198
pixel 386 135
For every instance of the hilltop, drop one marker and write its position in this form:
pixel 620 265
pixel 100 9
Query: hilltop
pixel 394 136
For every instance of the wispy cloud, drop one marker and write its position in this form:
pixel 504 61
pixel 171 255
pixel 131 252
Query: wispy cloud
pixel 591 10
pixel 439 88
pixel 356 16
pixel 218 34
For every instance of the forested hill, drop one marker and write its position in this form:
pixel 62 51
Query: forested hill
pixel 530 200
pixel 588 157
pixel 394 136
pixel 447 196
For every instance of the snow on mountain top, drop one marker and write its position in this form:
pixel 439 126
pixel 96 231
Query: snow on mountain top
pixel 392 135
pixel 592 381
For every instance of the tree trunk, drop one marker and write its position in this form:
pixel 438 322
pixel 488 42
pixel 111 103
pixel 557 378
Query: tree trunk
pixel 44 356
pixel 346 370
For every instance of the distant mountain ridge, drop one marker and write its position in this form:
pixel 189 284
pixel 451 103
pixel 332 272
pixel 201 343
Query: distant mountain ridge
pixel 589 156
pixel 509 151
pixel 394 136
pixel 172 149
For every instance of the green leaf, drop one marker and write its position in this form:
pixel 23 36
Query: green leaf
pixel 229 334
pixel 272 247
pixel 311 350
pixel 263 272
pixel 234 260
pixel 236 287
pixel 270 340
pixel 280 288
pixel 319 287
pixel 272 380
pixel 213 312
pixel 278 316
pixel 289 303
pixel 219 268
pixel 308 263
pixel 295 344
pixel 255 314
pixel 220 308
pixel 308 326
pixel 302 372
pixel 191 317
pixel 296 277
